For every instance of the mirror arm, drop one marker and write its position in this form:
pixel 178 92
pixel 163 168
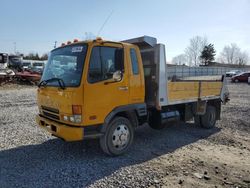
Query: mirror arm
pixel 109 82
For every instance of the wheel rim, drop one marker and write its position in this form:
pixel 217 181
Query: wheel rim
pixel 120 137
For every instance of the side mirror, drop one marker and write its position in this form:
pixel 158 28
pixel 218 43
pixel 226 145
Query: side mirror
pixel 117 76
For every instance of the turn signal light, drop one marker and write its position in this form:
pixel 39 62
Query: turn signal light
pixel 98 39
pixel 76 40
pixel 69 42
pixel 77 109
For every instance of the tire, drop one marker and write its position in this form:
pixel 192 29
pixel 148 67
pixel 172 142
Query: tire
pixel 118 137
pixel 208 120
pixel 197 120
pixel 236 80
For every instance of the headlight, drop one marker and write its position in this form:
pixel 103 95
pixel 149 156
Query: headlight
pixel 77 115
pixel 78 118
pixel 65 118
pixel 73 118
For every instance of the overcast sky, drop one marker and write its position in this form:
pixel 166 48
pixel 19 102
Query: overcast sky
pixel 34 25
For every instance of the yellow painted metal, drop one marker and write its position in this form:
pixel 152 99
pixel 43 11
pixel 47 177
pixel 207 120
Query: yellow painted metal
pixel 136 81
pixel 97 99
pixel 62 131
pixel 100 99
pixel 190 90
pixel 59 99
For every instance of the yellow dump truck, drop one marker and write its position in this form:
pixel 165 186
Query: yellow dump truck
pixel 105 89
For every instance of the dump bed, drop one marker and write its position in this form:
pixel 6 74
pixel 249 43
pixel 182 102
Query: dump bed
pixel 192 90
pixel 162 92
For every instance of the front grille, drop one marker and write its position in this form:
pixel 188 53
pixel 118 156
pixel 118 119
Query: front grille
pixel 49 115
pixel 50 109
pixel 50 112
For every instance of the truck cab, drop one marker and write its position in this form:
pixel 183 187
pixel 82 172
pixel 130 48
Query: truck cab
pixel 105 89
pixel 6 74
pixel 3 60
pixel 15 62
pixel 85 84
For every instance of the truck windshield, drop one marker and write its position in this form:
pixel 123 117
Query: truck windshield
pixel 66 64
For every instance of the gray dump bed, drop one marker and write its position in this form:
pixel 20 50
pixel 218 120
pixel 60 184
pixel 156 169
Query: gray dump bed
pixel 158 89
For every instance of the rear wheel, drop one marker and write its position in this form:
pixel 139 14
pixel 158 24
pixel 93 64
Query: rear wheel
pixel 208 120
pixel 118 137
pixel 197 120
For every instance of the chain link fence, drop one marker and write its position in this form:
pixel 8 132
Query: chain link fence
pixel 183 71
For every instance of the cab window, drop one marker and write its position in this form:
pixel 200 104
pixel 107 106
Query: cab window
pixel 134 61
pixel 104 61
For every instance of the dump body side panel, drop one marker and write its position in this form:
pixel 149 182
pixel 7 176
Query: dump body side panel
pixel 192 91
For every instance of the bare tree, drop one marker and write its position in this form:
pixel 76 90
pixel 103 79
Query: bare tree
pixel 243 58
pixel 232 54
pixel 180 59
pixel 193 51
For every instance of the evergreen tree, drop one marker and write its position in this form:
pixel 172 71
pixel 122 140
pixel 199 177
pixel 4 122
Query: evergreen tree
pixel 37 57
pixel 207 55
pixel 32 56
pixel 44 57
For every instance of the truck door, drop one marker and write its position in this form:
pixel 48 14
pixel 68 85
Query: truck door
pixel 136 79
pixel 101 93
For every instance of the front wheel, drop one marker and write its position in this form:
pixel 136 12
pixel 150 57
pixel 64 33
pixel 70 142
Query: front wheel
pixel 118 137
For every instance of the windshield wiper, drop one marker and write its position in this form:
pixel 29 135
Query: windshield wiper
pixel 59 80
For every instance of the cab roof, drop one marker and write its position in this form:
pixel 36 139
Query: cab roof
pixel 141 42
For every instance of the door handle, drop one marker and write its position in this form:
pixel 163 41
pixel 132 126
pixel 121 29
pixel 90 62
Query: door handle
pixel 123 88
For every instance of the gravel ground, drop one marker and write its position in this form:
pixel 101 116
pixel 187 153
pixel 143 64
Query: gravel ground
pixel 181 155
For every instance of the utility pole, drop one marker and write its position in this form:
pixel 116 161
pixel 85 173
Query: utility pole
pixel 14 47
pixel 55 44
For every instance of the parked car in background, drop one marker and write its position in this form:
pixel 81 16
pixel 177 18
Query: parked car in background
pixel 242 77
pixel 33 65
pixel 26 65
pixel 38 66
pixel 232 73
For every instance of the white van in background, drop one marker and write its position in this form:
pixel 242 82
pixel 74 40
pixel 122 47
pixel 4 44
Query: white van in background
pixel 34 65
pixel 26 65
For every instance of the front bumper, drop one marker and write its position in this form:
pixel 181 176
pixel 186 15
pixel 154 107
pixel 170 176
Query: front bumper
pixel 68 132
pixel 63 131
